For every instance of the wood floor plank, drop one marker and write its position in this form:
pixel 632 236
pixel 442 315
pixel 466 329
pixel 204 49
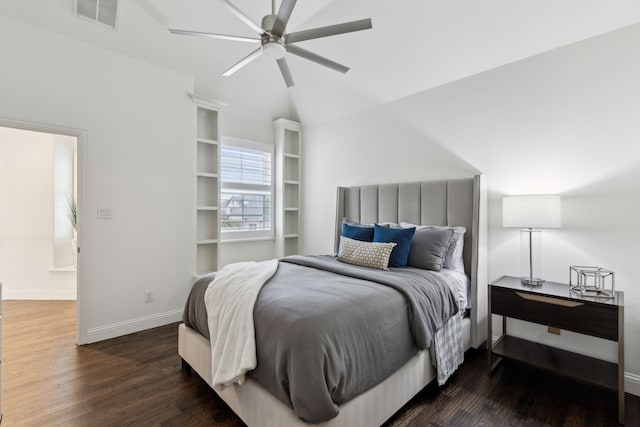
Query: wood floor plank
pixel 137 380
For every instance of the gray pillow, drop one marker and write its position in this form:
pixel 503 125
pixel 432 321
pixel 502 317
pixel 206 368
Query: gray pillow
pixel 453 259
pixel 428 248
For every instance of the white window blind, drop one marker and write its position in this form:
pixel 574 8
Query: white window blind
pixel 246 196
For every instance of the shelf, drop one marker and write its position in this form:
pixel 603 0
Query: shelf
pixel 207 241
pixel 67 269
pixel 208 141
pixel 288 141
pixel 207 121
pixel 207 183
pixel 575 366
pixel 207 258
pixel 206 191
pixel 290 247
pixel 207 175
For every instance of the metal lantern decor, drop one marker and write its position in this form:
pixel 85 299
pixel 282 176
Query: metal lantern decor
pixel 592 281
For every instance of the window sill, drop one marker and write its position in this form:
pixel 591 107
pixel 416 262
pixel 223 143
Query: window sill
pixel 247 240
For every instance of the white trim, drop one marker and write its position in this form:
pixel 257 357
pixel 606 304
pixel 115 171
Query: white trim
pixel 632 383
pixel 207 102
pixel 41 295
pixel 134 325
pixel 248 240
pixel 82 294
pixel 288 124
pixel 247 143
pixel 67 269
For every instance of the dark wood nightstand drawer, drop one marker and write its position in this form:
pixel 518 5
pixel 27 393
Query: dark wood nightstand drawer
pixel 578 315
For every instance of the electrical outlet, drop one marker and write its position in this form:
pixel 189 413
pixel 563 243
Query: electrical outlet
pixel 104 212
pixel 148 296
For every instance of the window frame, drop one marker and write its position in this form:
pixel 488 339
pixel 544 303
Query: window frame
pixel 246 235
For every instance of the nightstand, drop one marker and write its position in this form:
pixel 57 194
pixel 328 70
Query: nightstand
pixel 554 305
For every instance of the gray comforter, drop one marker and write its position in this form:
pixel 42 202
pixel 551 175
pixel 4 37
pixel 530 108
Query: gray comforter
pixel 328 331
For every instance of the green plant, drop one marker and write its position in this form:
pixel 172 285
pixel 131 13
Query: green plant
pixel 73 213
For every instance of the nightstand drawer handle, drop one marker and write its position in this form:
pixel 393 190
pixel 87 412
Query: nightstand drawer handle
pixel 550 300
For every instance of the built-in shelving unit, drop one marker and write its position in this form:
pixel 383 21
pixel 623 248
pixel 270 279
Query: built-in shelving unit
pixel 207 184
pixel 288 138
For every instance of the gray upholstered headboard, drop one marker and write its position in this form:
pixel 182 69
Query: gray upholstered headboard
pixel 448 202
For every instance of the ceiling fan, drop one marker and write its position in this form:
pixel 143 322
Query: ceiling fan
pixel 275 41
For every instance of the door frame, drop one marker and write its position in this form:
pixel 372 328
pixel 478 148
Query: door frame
pixel 81 147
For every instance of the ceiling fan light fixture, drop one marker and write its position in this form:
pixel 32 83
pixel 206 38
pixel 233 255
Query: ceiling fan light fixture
pixel 274 50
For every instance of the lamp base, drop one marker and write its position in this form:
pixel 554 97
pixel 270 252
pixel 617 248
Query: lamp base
pixel 531 281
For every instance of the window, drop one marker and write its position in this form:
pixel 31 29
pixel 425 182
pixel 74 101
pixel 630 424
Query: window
pixel 246 189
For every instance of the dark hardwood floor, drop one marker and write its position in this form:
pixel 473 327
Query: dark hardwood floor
pixel 137 380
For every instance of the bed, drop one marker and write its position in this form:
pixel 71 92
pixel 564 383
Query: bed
pixel 459 202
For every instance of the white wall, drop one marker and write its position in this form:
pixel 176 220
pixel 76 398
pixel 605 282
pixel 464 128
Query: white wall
pixel 27 218
pixel 138 159
pixel 565 122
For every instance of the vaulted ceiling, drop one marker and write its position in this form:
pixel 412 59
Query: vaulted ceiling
pixel 414 45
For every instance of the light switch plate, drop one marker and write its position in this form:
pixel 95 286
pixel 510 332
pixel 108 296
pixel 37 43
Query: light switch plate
pixel 104 212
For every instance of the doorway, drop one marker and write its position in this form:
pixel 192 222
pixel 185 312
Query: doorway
pixel 41 188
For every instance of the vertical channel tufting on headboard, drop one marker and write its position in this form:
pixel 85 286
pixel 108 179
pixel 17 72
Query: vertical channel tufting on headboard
pixel 457 202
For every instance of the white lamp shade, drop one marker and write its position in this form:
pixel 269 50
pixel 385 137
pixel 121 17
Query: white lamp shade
pixel 532 211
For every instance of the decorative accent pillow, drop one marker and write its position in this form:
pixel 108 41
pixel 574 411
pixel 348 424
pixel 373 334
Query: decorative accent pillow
pixel 453 259
pixel 365 254
pixel 357 231
pixel 401 236
pixel 428 248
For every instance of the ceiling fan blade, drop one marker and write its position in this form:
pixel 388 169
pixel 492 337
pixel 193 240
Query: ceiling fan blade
pixel 214 36
pixel 331 30
pixel 284 70
pixel 253 55
pixel 317 58
pixel 284 13
pixel 243 17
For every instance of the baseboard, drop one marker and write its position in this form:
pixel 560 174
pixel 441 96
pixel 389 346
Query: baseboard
pixel 114 330
pixel 632 383
pixel 35 295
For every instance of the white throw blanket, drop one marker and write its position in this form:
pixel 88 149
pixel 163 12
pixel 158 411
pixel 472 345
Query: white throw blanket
pixel 229 300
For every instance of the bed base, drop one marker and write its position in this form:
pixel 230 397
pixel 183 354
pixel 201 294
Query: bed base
pixel 257 407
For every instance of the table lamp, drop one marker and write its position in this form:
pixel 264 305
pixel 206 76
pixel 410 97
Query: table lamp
pixel 530 213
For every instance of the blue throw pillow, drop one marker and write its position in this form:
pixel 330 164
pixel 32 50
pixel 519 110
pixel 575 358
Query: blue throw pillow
pixel 357 232
pixel 401 236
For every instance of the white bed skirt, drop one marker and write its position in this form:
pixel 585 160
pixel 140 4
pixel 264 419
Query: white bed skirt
pixel 257 407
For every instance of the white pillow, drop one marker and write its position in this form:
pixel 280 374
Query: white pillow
pixel 365 254
pixel 453 259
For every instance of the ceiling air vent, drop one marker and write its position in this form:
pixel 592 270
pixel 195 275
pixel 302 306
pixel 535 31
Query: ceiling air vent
pixel 102 11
